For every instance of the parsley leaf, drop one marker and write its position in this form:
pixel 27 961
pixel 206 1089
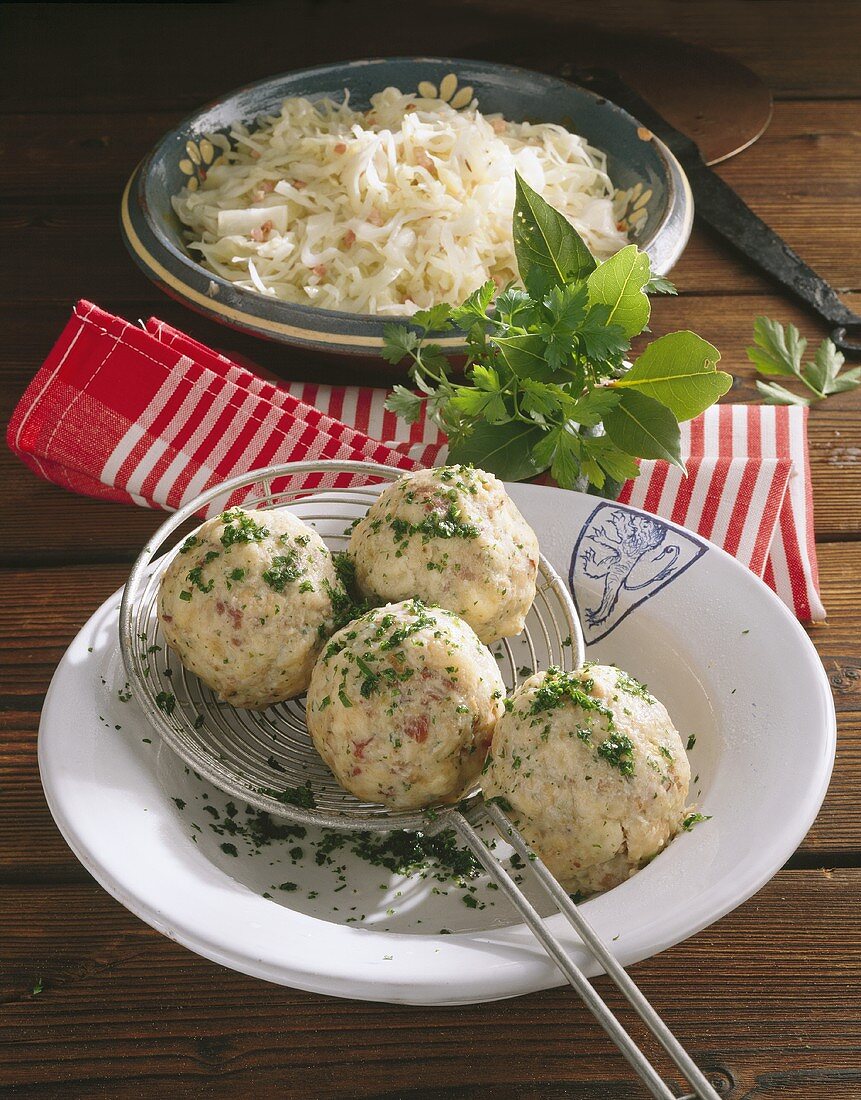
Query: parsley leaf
pixel 547 384
pixel 406 404
pixel 779 350
pixel 659 284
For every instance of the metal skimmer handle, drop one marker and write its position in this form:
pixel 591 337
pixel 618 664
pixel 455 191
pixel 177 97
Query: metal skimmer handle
pixel 554 948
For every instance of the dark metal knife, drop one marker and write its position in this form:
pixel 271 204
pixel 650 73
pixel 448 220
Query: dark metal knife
pixel 720 207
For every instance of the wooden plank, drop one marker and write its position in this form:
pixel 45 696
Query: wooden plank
pixel 90 155
pixel 799 49
pixel 125 1012
pixel 45 608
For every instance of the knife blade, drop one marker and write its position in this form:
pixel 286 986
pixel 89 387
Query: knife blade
pixel 726 213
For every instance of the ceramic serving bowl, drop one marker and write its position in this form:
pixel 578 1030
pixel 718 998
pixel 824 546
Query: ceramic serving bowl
pixel 736 671
pixel 654 197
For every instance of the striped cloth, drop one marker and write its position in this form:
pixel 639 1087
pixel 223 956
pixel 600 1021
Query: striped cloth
pixel 149 416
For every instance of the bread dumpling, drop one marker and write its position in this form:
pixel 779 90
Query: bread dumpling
pixel 402 705
pixel 247 604
pixel 450 536
pixel 594 772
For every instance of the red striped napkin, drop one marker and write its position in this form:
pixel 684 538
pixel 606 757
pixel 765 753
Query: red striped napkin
pixel 150 416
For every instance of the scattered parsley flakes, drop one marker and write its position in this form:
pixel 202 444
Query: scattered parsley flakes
pixel 694 819
pixel 166 702
pixel 692 740
pixel 303 797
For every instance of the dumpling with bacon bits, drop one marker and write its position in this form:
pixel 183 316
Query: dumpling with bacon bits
pixel 594 772
pixel 248 602
pixel 402 705
pixel 450 536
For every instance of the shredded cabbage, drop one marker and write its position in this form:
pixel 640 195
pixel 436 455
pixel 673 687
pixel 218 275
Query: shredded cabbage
pixel 387 210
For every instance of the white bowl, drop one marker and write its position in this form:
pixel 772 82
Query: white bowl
pixel 733 666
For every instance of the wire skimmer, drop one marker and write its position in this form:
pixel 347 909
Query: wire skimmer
pixel 250 754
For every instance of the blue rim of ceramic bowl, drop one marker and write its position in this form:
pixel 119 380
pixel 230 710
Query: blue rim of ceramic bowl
pixel 338 331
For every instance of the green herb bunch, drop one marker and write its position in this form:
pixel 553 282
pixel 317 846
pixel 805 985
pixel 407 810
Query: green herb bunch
pixel 547 385
pixel 779 350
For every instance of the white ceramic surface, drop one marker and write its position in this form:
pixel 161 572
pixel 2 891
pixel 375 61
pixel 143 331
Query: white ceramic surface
pixel 711 641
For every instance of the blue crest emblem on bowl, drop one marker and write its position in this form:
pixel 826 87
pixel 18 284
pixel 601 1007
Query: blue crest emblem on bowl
pixel 622 558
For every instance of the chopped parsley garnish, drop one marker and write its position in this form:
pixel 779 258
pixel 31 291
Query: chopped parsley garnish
pixel 189 544
pixel 229 849
pixel 420 621
pixel 560 687
pixel 289 886
pixel 618 751
pixel 237 574
pixel 692 740
pixel 284 569
pixel 240 527
pixel 195 577
pixel 694 819
pixel 633 687
pixel 347 604
pixel 448 525
pixel 372 679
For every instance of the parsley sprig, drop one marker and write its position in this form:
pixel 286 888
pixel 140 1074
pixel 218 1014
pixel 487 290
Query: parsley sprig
pixel 779 350
pixel 547 384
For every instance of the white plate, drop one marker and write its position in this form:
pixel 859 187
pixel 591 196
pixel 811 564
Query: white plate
pixel 712 642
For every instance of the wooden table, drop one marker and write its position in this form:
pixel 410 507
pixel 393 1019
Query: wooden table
pixel 768 998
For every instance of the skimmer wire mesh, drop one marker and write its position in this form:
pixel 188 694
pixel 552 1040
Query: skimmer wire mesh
pixel 249 753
